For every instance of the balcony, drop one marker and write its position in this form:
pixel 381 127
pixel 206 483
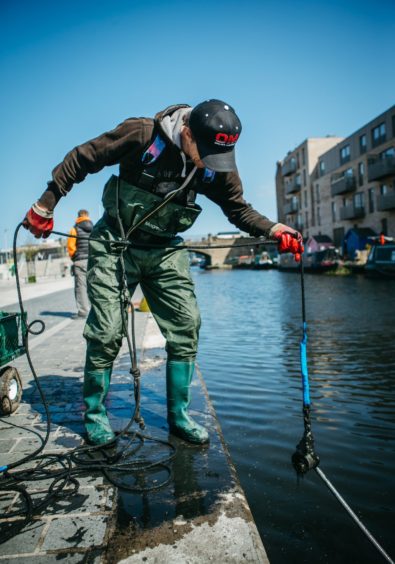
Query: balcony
pixel 289 167
pixel 379 168
pixel 343 184
pixel 386 202
pixel 294 186
pixel 299 224
pixel 352 212
pixel 291 207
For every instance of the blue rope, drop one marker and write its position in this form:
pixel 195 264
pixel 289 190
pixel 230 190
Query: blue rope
pixel 303 366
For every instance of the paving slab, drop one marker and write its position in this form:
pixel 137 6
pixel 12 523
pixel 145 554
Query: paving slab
pixel 25 542
pixel 75 532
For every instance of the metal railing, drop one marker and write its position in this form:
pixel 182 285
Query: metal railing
pixel 291 207
pixel 380 168
pixel 386 202
pixel 343 184
pixel 289 167
pixel 352 212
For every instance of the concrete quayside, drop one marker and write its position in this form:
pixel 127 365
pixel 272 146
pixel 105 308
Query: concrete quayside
pixel 201 515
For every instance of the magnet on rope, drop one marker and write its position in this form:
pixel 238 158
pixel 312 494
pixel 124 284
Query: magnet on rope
pixel 305 461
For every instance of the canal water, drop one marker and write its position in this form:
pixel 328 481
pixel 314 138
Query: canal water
pixel 249 356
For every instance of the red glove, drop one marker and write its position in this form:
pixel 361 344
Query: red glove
pixel 289 240
pixel 39 221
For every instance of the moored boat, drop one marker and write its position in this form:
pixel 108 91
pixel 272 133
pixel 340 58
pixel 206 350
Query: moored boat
pixel 263 261
pixel 319 261
pixel 381 261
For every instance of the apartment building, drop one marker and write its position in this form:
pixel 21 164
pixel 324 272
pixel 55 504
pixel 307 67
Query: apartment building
pixel 294 177
pixel 350 184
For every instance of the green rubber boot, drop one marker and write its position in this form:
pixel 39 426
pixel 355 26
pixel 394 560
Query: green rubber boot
pixel 178 379
pixel 96 385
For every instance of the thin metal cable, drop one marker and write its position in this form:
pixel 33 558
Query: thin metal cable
pixel 303 292
pixel 353 515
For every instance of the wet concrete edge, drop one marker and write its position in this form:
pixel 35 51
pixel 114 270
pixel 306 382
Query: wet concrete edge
pixel 225 532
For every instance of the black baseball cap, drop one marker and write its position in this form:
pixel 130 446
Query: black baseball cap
pixel 216 129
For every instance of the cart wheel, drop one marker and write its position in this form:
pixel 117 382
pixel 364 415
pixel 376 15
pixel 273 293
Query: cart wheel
pixel 10 390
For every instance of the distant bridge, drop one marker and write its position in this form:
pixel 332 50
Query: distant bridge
pixel 218 257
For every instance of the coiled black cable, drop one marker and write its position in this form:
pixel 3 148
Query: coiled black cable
pixel 119 465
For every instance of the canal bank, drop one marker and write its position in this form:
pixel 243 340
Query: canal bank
pixel 201 515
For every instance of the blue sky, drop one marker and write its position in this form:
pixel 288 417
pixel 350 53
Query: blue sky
pixel 292 69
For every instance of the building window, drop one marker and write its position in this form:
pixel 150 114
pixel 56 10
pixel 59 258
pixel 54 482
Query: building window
pixel 318 216
pixel 384 189
pixel 358 200
pixel 297 160
pixel 303 156
pixel 345 154
pixel 378 134
pixel 362 144
pixel 322 168
pixel 371 199
pixel 333 212
pixel 361 173
pixel 307 219
pixel 317 194
pixel 304 177
pixel 305 198
pixel 384 226
pixel 388 153
pixel 299 221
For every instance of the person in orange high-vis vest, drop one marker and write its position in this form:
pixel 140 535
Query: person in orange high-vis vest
pixel 77 247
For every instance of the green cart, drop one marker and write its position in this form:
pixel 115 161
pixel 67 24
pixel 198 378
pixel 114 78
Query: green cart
pixel 12 331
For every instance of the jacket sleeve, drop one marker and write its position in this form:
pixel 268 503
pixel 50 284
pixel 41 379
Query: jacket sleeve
pixel 92 156
pixel 72 243
pixel 227 192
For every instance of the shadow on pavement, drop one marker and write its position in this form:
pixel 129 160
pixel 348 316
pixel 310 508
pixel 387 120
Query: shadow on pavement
pixel 57 313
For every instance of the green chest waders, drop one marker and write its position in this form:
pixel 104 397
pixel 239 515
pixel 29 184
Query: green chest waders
pixel 167 285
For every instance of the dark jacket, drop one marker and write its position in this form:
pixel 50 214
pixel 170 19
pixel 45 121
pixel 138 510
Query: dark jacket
pixel 78 248
pixel 125 146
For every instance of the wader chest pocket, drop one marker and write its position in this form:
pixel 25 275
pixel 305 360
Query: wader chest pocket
pixel 135 202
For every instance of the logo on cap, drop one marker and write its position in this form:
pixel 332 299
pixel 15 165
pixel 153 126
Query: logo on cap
pixel 223 139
